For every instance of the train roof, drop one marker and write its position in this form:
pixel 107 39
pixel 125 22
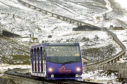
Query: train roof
pixel 55 44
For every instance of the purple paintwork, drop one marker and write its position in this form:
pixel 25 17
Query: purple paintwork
pixel 41 60
pixel 72 67
pixel 32 59
pixel 66 78
pixel 38 60
pixel 69 70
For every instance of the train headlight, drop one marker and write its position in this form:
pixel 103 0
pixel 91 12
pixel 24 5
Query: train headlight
pixel 50 69
pixel 78 69
pixel 77 75
pixel 52 75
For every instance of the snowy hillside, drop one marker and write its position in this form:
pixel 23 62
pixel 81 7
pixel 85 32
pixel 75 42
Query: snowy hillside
pixel 11 52
pixel 35 27
pixel 96 12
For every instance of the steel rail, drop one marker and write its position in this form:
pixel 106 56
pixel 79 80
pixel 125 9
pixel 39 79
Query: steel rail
pixel 43 79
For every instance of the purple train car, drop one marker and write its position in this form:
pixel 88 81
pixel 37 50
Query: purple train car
pixel 57 61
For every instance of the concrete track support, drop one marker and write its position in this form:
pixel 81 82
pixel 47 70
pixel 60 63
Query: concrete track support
pixel 79 24
pixel 67 20
pixel 64 18
pixel 32 7
pixel 54 15
pixel 61 18
pixel 58 17
pixel 27 5
pixel 45 12
pixel 38 9
pixel 48 13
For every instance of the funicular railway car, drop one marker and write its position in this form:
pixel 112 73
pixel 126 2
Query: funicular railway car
pixel 57 61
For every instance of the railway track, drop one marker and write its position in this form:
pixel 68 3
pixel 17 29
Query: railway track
pixel 111 60
pixel 92 66
pixel 44 80
pixel 63 18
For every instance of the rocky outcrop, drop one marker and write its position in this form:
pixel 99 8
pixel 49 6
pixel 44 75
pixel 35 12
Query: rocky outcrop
pixel 9 34
pixel 11 51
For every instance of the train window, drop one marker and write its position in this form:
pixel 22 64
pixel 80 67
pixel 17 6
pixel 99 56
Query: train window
pixel 44 60
pixel 34 60
pixel 40 54
pixel 38 64
pixel 43 53
pixel 63 54
pixel 63 51
pixel 32 55
pixel 40 59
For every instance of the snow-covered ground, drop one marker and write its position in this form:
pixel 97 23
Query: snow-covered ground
pixel 29 23
pixel 5 67
pixel 100 77
pixel 122 35
pixel 99 13
pixel 122 3
pixel 80 10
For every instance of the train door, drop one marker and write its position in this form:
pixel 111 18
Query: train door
pixel 40 60
pixel 32 59
pixel 44 61
pixel 36 60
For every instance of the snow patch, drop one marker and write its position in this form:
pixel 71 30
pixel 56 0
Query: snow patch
pixel 123 3
pixel 99 77
pixel 5 67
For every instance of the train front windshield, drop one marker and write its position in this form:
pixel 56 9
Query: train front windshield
pixel 63 54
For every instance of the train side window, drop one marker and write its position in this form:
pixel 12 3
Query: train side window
pixel 32 56
pixel 43 53
pixel 40 59
pixel 44 60
pixel 34 61
pixel 38 64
